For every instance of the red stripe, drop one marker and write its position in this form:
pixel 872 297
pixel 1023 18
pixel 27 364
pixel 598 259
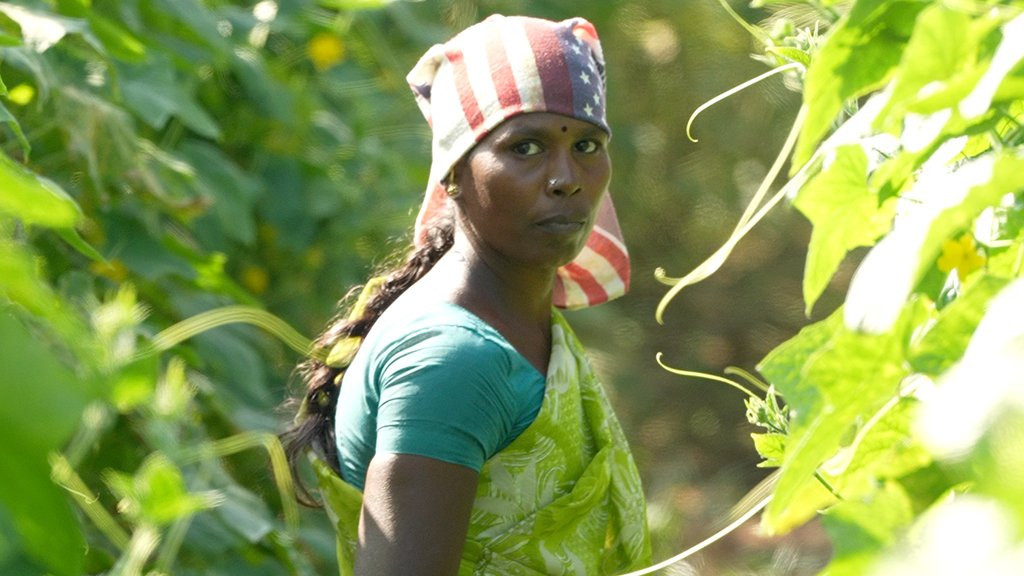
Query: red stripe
pixel 460 75
pixel 501 74
pixel 614 254
pixel 585 280
pixel 551 66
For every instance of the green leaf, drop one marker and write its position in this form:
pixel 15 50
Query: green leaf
pixel 199 20
pixel 863 528
pixel 10 34
pixel 33 199
pixel 791 54
pixel 354 5
pixel 883 448
pixel 233 191
pixel 939 48
pixel 1006 176
pixel 245 514
pixel 946 341
pixel 119 41
pixel 135 383
pixel 7 118
pixel 845 215
pixel 836 378
pixel 771 447
pixel 858 57
pixel 157 493
pixel 784 366
pixel 154 93
pixel 71 236
pixel 40 404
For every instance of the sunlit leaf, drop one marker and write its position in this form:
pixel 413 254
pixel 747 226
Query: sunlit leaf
pixel 119 41
pixel 945 342
pixel 10 34
pixel 157 492
pixel 858 57
pixel 845 215
pixel 863 527
pixel 846 378
pixel 937 51
pixel 771 447
pixel 34 199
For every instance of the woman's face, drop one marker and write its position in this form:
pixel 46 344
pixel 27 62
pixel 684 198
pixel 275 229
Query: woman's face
pixel 531 188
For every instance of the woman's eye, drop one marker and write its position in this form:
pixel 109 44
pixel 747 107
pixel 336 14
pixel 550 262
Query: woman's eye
pixel 526 148
pixel 588 146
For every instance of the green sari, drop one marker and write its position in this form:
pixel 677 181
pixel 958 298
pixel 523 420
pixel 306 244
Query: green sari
pixel 563 498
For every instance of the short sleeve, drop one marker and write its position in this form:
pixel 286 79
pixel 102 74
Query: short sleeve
pixel 447 393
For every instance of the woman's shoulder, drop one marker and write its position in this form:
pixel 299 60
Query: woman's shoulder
pixel 418 322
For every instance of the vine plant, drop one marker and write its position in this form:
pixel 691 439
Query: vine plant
pixel 902 413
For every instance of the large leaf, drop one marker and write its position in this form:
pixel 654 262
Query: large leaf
pixel 939 49
pixel 232 190
pixel 155 93
pixel 40 404
pixel 857 57
pixel 862 528
pixel 945 202
pixel 845 214
pixel 832 379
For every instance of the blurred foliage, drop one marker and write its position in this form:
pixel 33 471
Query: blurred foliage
pixel 175 175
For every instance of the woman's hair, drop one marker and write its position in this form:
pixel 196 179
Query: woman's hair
pixel 314 427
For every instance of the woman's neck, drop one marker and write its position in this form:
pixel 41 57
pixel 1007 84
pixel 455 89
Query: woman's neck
pixel 516 302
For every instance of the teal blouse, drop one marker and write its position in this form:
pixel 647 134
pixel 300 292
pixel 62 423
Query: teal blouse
pixel 433 379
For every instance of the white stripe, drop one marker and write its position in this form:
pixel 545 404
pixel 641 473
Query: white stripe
pixel 575 297
pixel 524 66
pixel 479 71
pixel 449 122
pixel 602 270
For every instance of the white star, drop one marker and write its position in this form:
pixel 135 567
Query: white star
pixel 589 110
pixel 585 78
pixel 597 98
pixel 575 48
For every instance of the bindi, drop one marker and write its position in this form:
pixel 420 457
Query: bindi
pixel 565 128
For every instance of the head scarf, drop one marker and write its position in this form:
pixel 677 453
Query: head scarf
pixel 501 67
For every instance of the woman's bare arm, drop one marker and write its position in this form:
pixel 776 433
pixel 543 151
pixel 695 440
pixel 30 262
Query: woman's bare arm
pixel 415 516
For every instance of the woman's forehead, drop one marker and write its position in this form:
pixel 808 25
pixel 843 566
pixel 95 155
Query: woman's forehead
pixel 544 121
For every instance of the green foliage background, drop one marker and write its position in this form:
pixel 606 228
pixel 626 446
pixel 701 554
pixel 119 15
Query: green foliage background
pixel 179 176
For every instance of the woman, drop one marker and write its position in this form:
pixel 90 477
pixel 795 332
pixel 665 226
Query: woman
pixel 468 434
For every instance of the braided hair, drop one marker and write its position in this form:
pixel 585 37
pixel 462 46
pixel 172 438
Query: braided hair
pixel 313 427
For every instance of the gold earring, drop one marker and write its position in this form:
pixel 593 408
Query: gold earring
pixel 451 187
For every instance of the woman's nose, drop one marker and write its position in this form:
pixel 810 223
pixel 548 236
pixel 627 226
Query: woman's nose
pixel 564 179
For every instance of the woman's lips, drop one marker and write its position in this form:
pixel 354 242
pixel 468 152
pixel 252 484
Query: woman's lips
pixel 562 224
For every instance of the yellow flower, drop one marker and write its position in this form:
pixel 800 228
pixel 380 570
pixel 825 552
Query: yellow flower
pixel 325 50
pixel 961 255
pixel 255 279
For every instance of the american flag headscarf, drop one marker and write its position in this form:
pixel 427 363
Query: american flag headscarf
pixel 509 65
